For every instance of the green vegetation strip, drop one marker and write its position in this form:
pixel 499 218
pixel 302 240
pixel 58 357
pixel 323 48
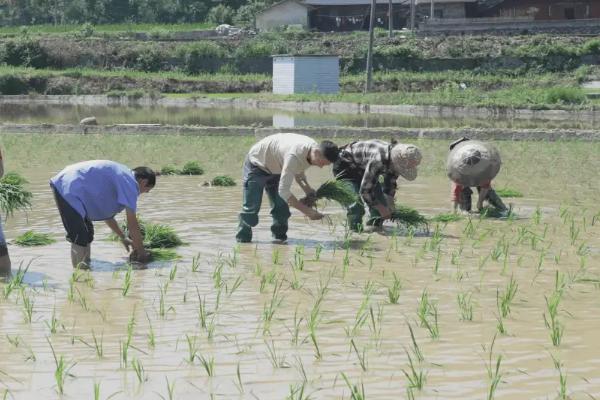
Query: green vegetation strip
pixel 31 238
pixel 507 192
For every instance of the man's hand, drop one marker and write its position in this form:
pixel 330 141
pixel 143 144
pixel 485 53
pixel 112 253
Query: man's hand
pixel 127 243
pixel 384 211
pixel 141 256
pixel 314 215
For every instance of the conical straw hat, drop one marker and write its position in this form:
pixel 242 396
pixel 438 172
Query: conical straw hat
pixel 472 163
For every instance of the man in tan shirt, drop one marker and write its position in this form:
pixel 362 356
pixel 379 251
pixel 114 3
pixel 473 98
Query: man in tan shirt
pixel 272 165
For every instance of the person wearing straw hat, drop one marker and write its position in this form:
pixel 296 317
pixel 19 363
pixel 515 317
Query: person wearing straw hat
pixel 4 257
pixel 272 165
pixel 363 163
pixel 473 163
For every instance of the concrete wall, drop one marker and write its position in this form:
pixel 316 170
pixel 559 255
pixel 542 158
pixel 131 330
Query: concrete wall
pixel 288 13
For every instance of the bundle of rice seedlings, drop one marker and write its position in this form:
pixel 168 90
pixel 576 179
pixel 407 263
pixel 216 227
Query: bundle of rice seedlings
pixel 162 254
pixel 192 168
pixel 447 217
pixel 222 180
pixel 507 192
pixel 408 216
pixel 337 190
pixel 31 238
pixel 13 195
pixel 156 236
pixel 169 170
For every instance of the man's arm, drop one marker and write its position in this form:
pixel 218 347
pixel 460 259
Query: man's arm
pixel 390 184
pixel 288 174
pixel 135 234
pixel 114 226
pixel 303 183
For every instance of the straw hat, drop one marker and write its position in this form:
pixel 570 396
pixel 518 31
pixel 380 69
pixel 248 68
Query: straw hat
pixel 471 163
pixel 404 159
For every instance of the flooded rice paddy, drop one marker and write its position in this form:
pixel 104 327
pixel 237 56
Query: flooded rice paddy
pixel 327 316
pixel 108 115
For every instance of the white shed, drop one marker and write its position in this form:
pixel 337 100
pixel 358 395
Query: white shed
pixel 306 74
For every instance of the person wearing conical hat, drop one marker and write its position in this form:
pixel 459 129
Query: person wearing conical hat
pixel 363 163
pixel 472 163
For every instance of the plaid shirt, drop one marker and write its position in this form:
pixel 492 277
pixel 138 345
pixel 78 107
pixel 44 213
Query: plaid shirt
pixel 373 158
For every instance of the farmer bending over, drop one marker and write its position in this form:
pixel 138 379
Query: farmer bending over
pixel 362 163
pixel 97 191
pixel 4 258
pixel 272 165
pixel 473 163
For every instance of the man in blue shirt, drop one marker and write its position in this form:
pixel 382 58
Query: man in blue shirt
pixel 96 191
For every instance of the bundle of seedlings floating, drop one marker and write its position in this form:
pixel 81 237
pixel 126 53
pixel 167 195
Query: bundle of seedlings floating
pixel 222 180
pixel 507 192
pixel 340 191
pixel 31 238
pixel 447 217
pixel 13 195
pixel 493 212
pixel 192 168
pixel 408 216
pixel 169 170
pixel 159 240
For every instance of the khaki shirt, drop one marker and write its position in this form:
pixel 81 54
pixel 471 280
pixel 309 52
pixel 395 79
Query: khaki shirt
pixel 284 154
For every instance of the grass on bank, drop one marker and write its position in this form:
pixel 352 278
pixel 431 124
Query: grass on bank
pixel 104 28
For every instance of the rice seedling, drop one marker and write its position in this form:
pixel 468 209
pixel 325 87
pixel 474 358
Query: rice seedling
pixel 297 392
pixel 551 320
pixel 239 384
pixel 416 377
pixel 96 390
pixel 428 309
pixel 192 348
pixel 236 284
pixel 507 192
pixel 362 356
pixel 415 349
pixel 170 390
pixel 276 256
pixel 138 368
pixel 493 370
pixel 271 307
pixel 446 217
pixel 438 259
pixel 13 196
pixel 208 364
pixel 16 280
pixel 505 299
pixel 223 180
pixel 409 217
pixel 150 335
pixel 98 344
pixel 14 340
pixel 127 281
pixel 465 305
pixel 196 263
pixel 295 332
pixel 53 323
pixel 340 191
pixel 318 251
pixel 357 391
pixel 315 343
pixel 192 168
pixel 562 389
pixel 393 291
pixel 62 369
pixel 31 238
pixel 536 217
pixel 277 361
pixel 28 303
pixel 298 263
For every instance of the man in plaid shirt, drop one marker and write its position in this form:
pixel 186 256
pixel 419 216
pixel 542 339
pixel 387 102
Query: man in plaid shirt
pixel 363 163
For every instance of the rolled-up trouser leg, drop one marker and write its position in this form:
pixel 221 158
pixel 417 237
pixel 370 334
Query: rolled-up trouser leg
pixel 280 211
pixel 356 211
pixel 375 217
pixel 495 200
pixel 253 184
pixel 4 257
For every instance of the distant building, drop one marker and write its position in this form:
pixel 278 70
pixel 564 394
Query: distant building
pixel 331 15
pixel 545 9
pixel 443 9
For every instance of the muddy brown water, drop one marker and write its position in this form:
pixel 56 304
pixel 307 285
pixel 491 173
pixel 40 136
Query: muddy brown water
pixel 271 365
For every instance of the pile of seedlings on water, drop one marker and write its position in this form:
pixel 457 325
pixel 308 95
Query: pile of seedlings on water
pixel 447 217
pixel 222 180
pixel 508 192
pixel 189 168
pixel 409 217
pixel 493 212
pixel 158 239
pixel 31 238
pixel 13 195
pixel 340 191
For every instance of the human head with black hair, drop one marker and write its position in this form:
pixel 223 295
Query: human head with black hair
pixel 145 177
pixel 324 154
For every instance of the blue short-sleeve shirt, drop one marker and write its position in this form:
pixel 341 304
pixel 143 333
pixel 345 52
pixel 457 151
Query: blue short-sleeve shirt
pixel 98 189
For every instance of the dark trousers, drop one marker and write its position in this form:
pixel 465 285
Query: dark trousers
pixel 254 182
pixel 356 211
pixel 80 231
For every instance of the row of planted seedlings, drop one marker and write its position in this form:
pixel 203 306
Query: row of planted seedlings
pixel 294 276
